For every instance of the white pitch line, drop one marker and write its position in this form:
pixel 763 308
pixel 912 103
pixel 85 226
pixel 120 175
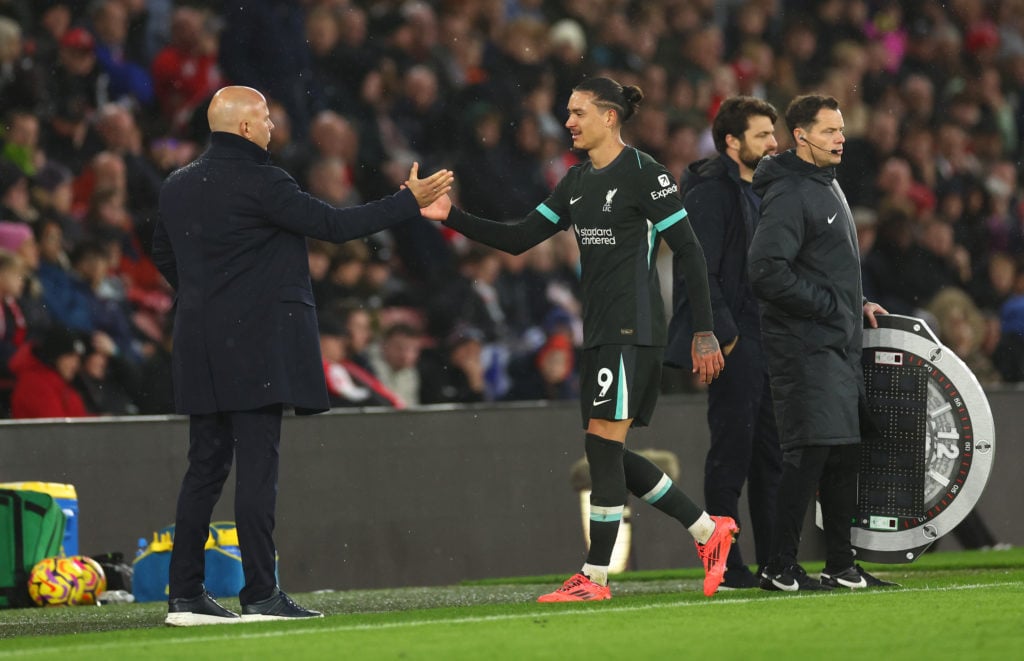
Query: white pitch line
pixel 295 631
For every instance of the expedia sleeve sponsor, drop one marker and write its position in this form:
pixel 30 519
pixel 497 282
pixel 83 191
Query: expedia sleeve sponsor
pixel 664 192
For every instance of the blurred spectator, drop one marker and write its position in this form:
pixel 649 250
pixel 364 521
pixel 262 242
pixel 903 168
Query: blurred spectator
pixel 1009 356
pixel 395 362
pixel 995 285
pixel 917 144
pixel 323 34
pixel 53 20
pixel 798 65
pixel 864 156
pixel 549 373
pixel 93 287
pixel 329 180
pixel 344 273
pixel 955 158
pixel 320 254
pixel 962 329
pixel 264 46
pixel 865 221
pixel 359 333
pixel 185 72
pixel 455 373
pixel 348 384
pixel 75 89
pixel 59 293
pixel 918 95
pixel 330 136
pixel 14 199
pixel 44 372
pixel 106 380
pixel 420 112
pixel 20 83
pixel 471 298
pixel 384 281
pixel 52 195
pixel 120 134
pixel 567 58
pixel 285 152
pixel 127 71
pixel 1005 222
pixel 110 223
pixel 482 162
pixel 343 66
pixel 935 263
pixel 105 171
pixel 21 142
pixel 17 238
pixel 896 186
pixel 13 329
pixel 883 267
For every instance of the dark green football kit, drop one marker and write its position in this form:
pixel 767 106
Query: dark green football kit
pixel 619 214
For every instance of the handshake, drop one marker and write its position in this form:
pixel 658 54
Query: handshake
pixel 431 193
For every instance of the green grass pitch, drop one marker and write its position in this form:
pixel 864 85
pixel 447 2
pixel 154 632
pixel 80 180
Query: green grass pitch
pixel 950 604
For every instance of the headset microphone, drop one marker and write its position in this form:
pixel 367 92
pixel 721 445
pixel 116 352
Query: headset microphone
pixel 808 142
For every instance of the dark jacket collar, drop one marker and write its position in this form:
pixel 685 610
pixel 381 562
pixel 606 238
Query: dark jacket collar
pixel 715 167
pixel 230 145
pixel 787 164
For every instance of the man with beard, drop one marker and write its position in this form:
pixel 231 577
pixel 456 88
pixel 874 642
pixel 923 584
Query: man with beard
pixel 724 213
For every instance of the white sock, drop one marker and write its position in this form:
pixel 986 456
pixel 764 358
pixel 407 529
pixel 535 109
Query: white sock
pixel 702 528
pixel 598 574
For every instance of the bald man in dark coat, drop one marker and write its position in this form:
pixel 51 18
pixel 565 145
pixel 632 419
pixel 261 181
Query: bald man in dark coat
pixel 231 240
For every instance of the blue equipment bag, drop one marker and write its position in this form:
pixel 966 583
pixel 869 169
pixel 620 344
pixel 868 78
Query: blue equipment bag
pixel 224 577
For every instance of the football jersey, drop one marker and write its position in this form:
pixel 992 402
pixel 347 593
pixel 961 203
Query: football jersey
pixel 617 213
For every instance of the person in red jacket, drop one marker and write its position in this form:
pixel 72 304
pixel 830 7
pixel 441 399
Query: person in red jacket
pixel 44 371
pixel 185 72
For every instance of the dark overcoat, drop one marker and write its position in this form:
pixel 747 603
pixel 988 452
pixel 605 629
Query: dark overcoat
pixel 231 241
pixel 804 267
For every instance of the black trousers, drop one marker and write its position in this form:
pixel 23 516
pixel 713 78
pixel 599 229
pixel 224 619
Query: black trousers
pixel 832 471
pixel 252 439
pixel 744 447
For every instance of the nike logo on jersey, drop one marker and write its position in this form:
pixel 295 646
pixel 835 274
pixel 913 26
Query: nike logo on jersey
pixel 600 402
pixel 574 200
pixel 832 217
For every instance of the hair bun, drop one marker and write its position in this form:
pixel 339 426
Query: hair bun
pixel 632 94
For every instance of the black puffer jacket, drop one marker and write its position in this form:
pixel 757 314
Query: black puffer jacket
pixel 804 267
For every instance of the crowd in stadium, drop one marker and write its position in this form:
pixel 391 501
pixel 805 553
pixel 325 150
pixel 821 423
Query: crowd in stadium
pixel 101 99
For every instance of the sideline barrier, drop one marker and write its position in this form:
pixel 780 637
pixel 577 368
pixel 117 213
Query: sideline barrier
pixel 425 497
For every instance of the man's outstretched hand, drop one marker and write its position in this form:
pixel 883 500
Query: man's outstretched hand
pixel 428 190
pixel 438 209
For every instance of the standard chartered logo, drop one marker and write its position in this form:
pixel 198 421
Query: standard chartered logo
pixel 594 236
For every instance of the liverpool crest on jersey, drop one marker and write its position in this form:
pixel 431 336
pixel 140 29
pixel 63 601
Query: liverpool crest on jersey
pixel 608 200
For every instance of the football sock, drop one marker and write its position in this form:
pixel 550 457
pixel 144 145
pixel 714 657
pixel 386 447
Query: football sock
pixel 607 497
pixel 597 574
pixel 647 481
pixel 702 528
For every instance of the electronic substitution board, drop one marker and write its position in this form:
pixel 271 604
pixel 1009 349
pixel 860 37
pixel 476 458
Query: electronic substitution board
pixel 928 454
